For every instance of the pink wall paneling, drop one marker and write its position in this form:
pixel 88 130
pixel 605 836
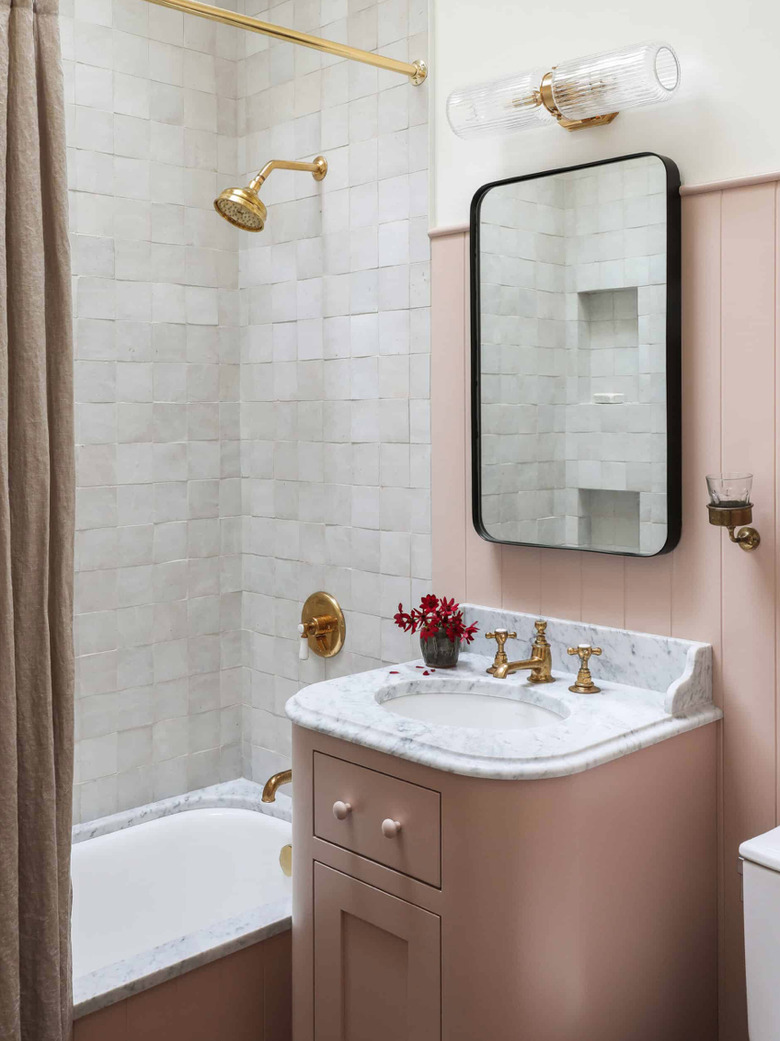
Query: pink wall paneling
pixel 706 589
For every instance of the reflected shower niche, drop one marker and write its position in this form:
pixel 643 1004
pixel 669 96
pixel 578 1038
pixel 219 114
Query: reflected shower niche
pixel 576 358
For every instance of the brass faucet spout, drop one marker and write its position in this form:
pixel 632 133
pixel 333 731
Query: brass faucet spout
pixel 502 671
pixel 275 782
pixel 540 663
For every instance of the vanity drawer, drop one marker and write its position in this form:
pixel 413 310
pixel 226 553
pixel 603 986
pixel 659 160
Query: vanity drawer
pixel 356 808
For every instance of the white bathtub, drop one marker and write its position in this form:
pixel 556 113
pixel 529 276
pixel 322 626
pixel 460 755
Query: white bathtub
pixel 155 899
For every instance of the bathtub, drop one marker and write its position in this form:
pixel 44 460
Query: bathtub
pixel 167 888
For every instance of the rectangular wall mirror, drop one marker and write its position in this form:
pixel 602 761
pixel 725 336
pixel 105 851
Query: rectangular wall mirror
pixel 575 286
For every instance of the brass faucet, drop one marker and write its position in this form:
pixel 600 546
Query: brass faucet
pixel 540 663
pixel 584 683
pixel 271 785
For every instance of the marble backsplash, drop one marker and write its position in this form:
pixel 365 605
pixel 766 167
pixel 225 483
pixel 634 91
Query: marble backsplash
pixel 683 668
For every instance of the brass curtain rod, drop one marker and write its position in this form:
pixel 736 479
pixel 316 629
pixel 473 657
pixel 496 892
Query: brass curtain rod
pixel 416 71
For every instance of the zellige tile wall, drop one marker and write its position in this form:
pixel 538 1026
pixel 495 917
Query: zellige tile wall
pixel 151 135
pixel 335 352
pixel 252 411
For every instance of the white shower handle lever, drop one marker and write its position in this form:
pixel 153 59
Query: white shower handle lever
pixel 303 649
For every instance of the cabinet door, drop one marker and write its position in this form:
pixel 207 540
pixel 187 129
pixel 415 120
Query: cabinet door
pixel 377 964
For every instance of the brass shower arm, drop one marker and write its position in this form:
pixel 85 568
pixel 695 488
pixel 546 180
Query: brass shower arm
pixel 317 169
pixel 416 71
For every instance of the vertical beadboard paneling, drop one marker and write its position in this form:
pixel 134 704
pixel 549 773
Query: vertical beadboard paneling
pixel 777 498
pixel 483 559
pixel 707 589
pixel 696 563
pixel 603 589
pixel 521 587
pixel 748 662
pixel 649 594
pixel 561 595
pixel 449 419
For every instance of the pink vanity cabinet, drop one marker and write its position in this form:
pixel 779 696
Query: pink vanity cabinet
pixel 578 908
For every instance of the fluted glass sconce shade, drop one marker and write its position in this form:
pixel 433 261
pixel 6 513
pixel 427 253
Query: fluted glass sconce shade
pixel 580 93
pixel 642 75
pixel 498 107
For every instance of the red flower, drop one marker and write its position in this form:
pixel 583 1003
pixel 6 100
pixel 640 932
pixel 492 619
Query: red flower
pixel 403 620
pixel 435 616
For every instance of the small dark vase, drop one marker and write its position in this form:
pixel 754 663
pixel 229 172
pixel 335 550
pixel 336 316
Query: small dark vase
pixel 439 651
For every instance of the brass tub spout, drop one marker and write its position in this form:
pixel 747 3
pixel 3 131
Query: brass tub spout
pixel 275 782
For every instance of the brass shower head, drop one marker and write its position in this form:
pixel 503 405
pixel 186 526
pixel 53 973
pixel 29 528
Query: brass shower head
pixel 244 208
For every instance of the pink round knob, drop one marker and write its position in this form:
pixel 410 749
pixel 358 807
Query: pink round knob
pixel 391 829
pixel 341 810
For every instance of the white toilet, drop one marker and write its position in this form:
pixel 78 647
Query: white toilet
pixel 761 883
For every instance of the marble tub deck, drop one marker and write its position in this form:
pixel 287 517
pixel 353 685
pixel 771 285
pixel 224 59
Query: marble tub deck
pixel 112 983
pixel 592 729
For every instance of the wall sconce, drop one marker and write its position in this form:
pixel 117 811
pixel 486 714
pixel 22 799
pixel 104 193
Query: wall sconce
pixel 584 92
pixel 730 506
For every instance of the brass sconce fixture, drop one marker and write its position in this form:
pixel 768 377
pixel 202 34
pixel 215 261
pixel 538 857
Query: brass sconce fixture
pixel 580 93
pixel 730 507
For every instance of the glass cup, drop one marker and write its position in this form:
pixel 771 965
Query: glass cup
pixel 731 490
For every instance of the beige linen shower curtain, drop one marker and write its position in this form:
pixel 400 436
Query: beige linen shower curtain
pixel 36 531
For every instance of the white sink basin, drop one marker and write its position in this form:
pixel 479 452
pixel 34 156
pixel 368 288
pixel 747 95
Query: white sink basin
pixel 483 706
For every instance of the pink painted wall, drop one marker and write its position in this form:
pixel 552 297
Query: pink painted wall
pixel 707 589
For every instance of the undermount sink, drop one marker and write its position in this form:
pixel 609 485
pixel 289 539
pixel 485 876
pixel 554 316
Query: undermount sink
pixel 480 705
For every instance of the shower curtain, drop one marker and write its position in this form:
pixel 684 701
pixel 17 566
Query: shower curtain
pixel 36 530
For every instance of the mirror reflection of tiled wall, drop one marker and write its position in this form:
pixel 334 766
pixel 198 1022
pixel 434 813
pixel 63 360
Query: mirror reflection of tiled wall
pixel 573 313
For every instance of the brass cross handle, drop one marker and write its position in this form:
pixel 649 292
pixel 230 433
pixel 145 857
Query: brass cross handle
pixel 584 683
pixel 501 636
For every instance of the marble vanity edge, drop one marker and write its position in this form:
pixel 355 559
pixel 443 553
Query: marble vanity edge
pixel 106 986
pixel 694 687
pixel 470 765
pixel 238 794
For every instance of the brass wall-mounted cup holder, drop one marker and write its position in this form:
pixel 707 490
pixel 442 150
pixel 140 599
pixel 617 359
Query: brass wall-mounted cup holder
pixel 730 507
pixel 322 627
pixel 731 517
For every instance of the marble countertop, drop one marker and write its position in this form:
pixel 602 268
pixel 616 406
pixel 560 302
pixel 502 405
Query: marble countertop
pixel 593 729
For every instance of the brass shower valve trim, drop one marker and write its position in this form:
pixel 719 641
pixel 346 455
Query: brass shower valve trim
pixel 584 683
pixel 323 628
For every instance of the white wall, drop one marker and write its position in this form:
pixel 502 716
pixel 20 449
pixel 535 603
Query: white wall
pixel 728 54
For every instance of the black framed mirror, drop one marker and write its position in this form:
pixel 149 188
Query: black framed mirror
pixel 576 357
